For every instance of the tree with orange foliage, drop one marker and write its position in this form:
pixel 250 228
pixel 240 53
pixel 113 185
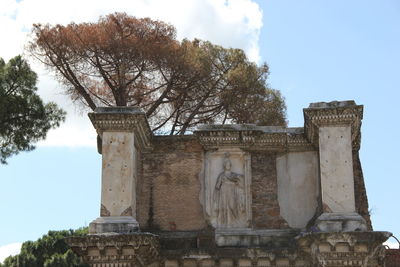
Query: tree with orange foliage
pixel 126 61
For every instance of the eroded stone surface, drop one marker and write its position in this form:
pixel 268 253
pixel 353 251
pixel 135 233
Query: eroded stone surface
pixel 341 222
pixel 358 249
pixel 298 187
pixel 114 224
pixel 233 195
pixel 336 167
pixel 118 189
pixel 110 250
pixel 344 249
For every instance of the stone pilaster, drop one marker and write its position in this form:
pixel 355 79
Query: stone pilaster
pixel 335 129
pixel 124 132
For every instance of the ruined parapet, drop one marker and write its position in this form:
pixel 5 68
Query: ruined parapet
pixel 232 195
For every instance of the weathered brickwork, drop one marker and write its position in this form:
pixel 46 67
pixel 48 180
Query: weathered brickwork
pixel 168 195
pixel 212 198
pixel 264 189
pixel 169 177
pixel 360 192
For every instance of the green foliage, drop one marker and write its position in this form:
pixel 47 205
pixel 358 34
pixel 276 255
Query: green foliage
pixel 48 251
pixel 24 118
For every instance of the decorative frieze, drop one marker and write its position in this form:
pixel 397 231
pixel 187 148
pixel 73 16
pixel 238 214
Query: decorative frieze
pixel 128 250
pixel 344 249
pixel 252 137
pixel 279 249
pixel 232 195
pixel 343 113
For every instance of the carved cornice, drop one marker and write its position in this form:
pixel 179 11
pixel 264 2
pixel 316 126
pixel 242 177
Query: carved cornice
pixel 344 248
pixel 138 249
pixel 311 249
pixel 345 113
pixel 252 137
pixel 124 119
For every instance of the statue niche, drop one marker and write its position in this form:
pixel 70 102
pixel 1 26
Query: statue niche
pixel 229 197
pixel 225 193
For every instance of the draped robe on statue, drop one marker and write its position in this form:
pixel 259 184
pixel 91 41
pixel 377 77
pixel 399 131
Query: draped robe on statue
pixel 229 198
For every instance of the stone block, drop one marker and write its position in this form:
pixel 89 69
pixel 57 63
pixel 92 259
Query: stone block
pixel 336 166
pixel 341 222
pixel 114 224
pixel 361 248
pixel 342 247
pixel 244 263
pixel 298 187
pixel 250 237
pixel 263 262
pixel 207 263
pixel 324 247
pixel 171 263
pixel 282 262
pixel 226 263
pixel 189 263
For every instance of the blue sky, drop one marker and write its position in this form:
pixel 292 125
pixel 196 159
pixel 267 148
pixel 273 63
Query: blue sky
pixel 316 50
pixel 339 50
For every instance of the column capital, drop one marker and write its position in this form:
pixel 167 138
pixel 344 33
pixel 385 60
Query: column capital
pixel 123 119
pixel 335 113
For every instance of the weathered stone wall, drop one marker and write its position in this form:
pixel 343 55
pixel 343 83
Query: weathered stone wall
pixel 169 187
pixel 233 195
pixel 360 192
pixel 298 187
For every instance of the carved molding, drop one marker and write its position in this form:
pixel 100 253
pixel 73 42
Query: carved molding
pixel 333 114
pixel 123 119
pixel 252 137
pixel 311 249
pixel 344 249
pixel 140 249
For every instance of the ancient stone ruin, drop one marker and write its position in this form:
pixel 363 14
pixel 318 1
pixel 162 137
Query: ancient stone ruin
pixel 232 195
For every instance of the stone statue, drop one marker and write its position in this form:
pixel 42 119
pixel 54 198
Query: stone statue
pixel 229 197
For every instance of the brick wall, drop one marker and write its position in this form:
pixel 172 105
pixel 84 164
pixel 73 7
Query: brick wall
pixel 169 186
pixel 264 189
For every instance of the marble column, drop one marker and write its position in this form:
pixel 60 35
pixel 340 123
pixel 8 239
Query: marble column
pixel 335 128
pixel 124 133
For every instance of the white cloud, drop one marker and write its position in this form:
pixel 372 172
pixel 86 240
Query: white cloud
pixel 391 244
pixel 9 250
pixel 231 23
